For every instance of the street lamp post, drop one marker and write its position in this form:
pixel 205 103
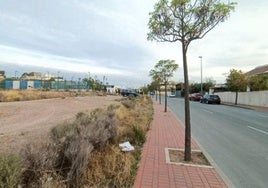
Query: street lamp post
pixel 58 82
pixel 201 75
pixel 88 83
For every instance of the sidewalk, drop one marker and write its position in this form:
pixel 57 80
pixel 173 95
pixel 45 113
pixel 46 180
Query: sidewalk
pixel 168 132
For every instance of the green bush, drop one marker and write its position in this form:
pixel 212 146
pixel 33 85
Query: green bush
pixel 139 135
pixel 10 171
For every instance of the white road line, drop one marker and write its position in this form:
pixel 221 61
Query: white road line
pixel 258 130
pixel 263 116
pixel 208 111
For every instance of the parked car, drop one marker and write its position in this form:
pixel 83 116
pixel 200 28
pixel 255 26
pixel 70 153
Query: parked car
pixel 210 99
pixel 171 95
pixel 129 93
pixel 195 97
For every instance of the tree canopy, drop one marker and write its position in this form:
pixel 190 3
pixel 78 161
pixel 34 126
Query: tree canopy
pixel 258 82
pixel 186 20
pixel 236 80
pixel 162 72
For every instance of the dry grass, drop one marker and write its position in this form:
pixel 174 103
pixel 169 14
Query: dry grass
pixel 10 171
pixel 25 95
pixel 85 152
pixel 110 168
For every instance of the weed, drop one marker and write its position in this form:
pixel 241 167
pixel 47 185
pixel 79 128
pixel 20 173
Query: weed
pixel 110 168
pixel 85 152
pixel 68 151
pixel 128 102
pixel 10 171
pixel 139 134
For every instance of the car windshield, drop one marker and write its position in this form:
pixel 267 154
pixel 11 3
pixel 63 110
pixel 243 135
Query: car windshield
pixel 214 96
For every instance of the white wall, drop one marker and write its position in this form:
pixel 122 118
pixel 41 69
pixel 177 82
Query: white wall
pixel 30 84
pixel 16 84
pixel 254 98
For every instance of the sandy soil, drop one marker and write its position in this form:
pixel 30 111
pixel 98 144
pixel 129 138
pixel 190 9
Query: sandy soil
pixel 21 122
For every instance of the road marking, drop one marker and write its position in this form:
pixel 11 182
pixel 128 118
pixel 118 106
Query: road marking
pixel 208 111
pixel 258 130
pixel 262 116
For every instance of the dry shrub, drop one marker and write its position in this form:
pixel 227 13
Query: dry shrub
pixel 134 122
pixel 11 95
pixel 40 161
pixel 111 168
pixel 85 152
pixel 10 171
pixel 35 94
pixel 128 102
pixel 67 153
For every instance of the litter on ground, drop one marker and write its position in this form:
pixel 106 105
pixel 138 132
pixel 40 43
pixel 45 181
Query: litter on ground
pixel 126 146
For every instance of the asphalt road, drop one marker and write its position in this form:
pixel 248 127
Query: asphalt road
pixel 235 138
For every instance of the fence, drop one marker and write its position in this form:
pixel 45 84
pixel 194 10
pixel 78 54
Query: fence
pixel 42 84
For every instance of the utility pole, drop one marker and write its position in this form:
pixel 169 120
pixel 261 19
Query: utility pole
pixel 201 75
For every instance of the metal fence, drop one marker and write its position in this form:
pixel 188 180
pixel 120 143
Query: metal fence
pixel 43 84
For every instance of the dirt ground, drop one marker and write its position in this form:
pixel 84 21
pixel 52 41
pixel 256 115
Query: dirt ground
pixel 21 122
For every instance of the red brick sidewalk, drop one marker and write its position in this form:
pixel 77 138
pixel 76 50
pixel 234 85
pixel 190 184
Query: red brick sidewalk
pixel 168 132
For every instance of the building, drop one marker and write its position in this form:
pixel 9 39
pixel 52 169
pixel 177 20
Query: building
pixel 2 75
pixel 260 78
pixel 112 89
pixel 31 76
pixel 261 70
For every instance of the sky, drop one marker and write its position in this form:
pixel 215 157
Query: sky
pixel 81 38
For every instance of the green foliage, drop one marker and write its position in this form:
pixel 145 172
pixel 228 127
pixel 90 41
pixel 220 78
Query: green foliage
pixel 185 20
pixel 10 171
pixel 236 80
pixel 139 135
pixel 163 70
pixel 258 82
pixel 196 87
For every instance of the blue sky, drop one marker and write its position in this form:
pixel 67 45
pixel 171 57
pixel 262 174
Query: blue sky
pixel 82 37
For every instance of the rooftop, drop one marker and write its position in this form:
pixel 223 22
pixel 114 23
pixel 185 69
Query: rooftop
pixel 258 70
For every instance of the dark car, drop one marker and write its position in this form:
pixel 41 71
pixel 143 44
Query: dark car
pixel 210 99
pixel 195 97
pixel 129 93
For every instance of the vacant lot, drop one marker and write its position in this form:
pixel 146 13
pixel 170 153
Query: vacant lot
pixel 21 122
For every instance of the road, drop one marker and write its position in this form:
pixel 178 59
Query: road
pixel 235 138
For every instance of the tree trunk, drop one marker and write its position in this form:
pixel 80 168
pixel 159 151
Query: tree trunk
pixel 159 96
pixel 156 95
pixel 187 152
pixel 165 97
pixel 236 96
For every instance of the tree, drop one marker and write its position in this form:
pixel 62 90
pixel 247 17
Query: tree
pixel 162 71
pixel 258 82
pixel 154 87
pixel 236 81
pixel 185 21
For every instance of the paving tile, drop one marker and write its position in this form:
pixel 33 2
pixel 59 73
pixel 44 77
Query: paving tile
pixel 168 132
